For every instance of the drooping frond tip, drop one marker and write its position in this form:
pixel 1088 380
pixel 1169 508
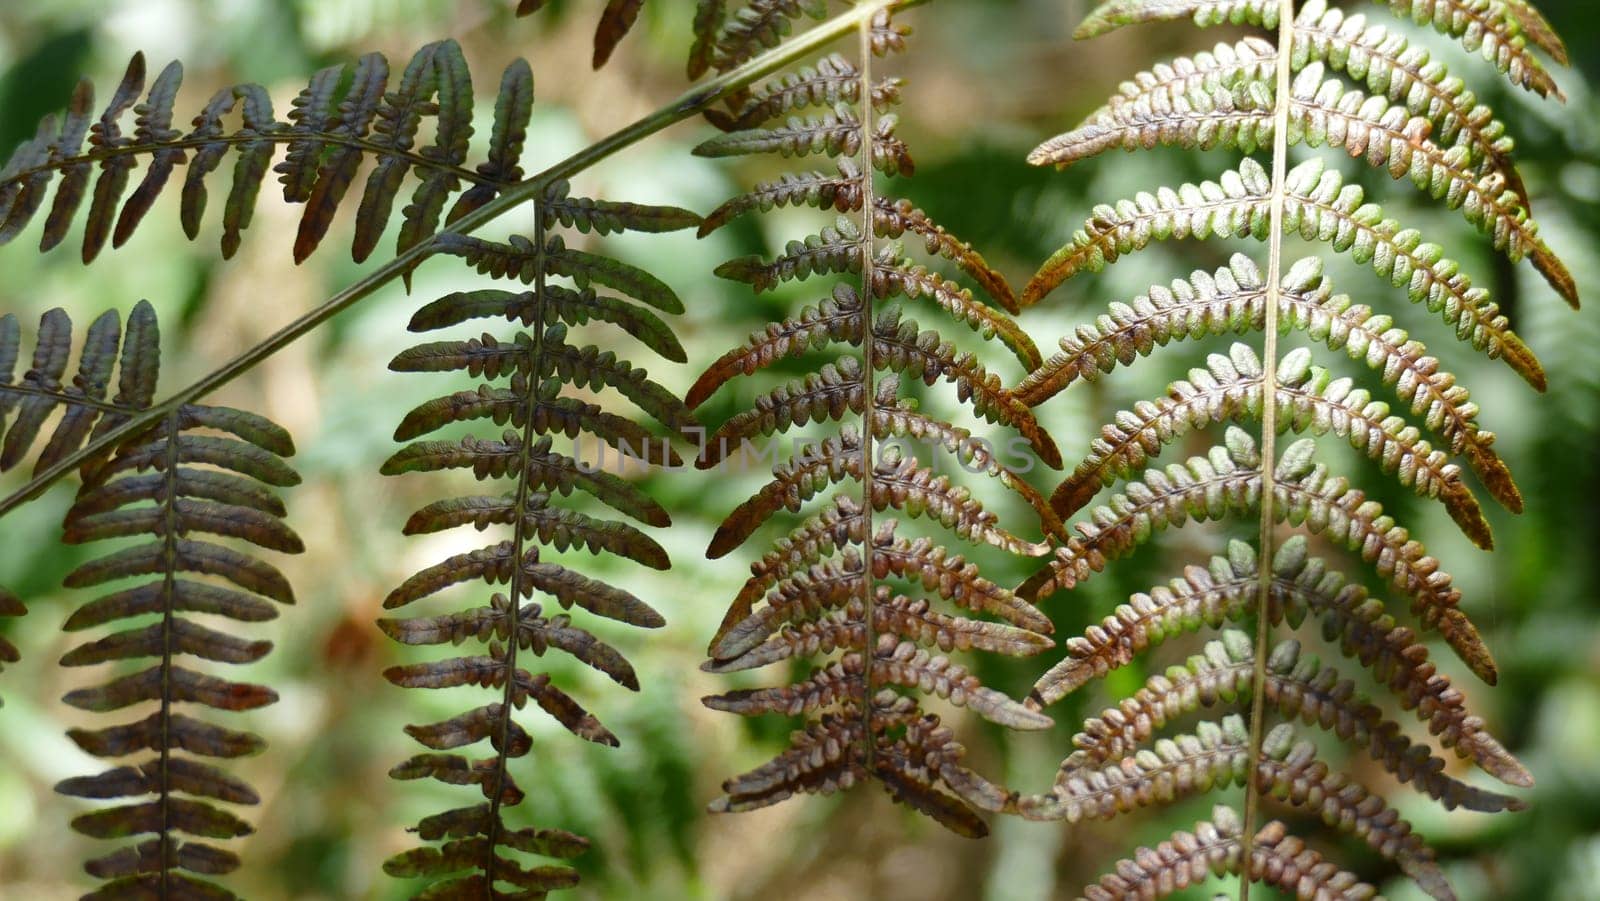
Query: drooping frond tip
pixel 536 383
pixel 200 488
pixel 843 588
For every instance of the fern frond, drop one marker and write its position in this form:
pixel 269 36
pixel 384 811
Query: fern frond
pixel 758 25
pixel 1219 756
pixel 1189 858
pixel 147 489
pixel 1324 112
pixel 1301 586
pixel 136 357
pixel 840 589
pixel 327 143
pixel 1299 687
pixel 1309 398
pixel 1227 482
pixel 536 368
pixel 1491 28
pixel 1233 300
pixel 1319 207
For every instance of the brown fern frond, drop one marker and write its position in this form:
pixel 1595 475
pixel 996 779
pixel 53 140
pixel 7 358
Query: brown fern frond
pixel 1219 756
pixel 1301 586
pixel 1233 300
pixel 1230 388
pixel 1190 858
pixel 833 321
pixel 1319 207
pixel 1227 482
pixel 327 143
pixel 136 357
pixel 731 41
pixel 1299 687
pixel 147 489
pixel 1492 28
pixel 833 80
pixel 900 345
pixel 527 380
pixel 1409 117
pixel 1323 112
pixel 840 590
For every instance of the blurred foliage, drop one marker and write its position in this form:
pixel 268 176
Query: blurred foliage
pixel 974 108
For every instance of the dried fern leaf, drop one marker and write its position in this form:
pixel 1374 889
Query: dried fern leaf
pixel 840 589
pixel 1190 858
pixel 1490 28
pixel 1324 112
pixel 1217 756
pixel 1301 587
pixel 171 504
pixel 1320 207
pixel 1227 482
pixel 1309 398
pixel 1233 300
pixel 1299 687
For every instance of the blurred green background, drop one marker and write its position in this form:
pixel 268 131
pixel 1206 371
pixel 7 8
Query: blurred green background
pixel 987 80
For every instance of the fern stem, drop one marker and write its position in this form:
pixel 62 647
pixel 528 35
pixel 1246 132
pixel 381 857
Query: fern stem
pixel 169 564
pixel 869 645
pixel 519 544
pixel 691 103
pixel 1269 430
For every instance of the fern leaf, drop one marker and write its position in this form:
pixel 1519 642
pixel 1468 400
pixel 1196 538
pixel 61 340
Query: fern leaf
pixel 1320 207
pixel 343 117
pixel 526 377
pixel 1189 858
pixel 172 504
pixel 1491 28
pixel 1301 586
pixel 1308 398
pixel 833 80
pixel 1219 756
pixel 1299 687
pixel 39 392
pixel 824 592
pixel 1233 300
pixel 759 25
pixel 1227 482
pixel 1488 28
pixel 1114 14
pixel 836 320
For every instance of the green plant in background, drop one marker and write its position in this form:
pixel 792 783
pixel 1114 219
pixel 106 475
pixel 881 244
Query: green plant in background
pixel 1420 123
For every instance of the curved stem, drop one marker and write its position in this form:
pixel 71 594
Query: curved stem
pixel 1269 422
pixel 689 104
